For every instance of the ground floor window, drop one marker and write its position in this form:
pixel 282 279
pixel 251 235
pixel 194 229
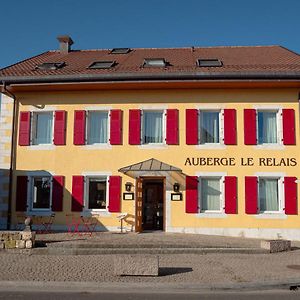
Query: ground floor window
pixel 96 193
pixel 268 194
pixel 210 194
pixel 41 192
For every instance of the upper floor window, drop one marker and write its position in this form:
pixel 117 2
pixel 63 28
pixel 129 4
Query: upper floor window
pixel 42 128
pixel 97 127
pixel 153 131
pixel 267 127
pixel 209 127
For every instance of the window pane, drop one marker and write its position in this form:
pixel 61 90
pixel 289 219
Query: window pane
pixel 41 192
pixel 209 127
pixel 210 194
pixel 267 127
pixel 98 122
pixel 268 195
pixel 43 128
pixel 153 127
pixel 97 193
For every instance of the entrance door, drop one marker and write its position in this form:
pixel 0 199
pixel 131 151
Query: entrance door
pixel 139 205
pixel 153 201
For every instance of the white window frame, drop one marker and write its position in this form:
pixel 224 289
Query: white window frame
pixel 279 133
pixel 30 199
pixel 87 128
pixel 164 127
pixel 33 127
pixel 86 192
pixel 280 186
pixel 212 175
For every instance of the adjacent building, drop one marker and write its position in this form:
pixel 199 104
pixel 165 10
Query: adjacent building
pixel 193 140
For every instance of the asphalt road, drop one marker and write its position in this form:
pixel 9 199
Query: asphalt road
pixel 265 295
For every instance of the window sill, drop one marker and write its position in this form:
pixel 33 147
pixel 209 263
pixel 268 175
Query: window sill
pixel 211 146
pixel 212 215
pixel 153 146
pixel 278 215
pixel 270 147
pixel 41 147
pixel 97 147
pixel 41 213
pixel 95 213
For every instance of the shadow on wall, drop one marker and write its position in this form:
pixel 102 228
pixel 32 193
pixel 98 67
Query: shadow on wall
pixel 51 206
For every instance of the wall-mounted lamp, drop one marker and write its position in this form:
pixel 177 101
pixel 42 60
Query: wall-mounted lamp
pixel 128 186
pixel 176 187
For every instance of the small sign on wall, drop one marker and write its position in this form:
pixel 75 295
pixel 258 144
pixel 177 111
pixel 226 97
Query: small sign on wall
pixel 128 196
pixel 176 196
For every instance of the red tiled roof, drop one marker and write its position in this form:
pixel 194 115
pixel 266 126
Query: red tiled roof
pixel 237 61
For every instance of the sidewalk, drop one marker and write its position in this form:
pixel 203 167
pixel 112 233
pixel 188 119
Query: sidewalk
pixel 209 270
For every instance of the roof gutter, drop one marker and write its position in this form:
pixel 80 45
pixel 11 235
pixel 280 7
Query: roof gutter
pixel 12 154
pixel 123 77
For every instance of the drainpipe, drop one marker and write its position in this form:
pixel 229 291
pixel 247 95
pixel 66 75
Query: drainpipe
pixel 12 154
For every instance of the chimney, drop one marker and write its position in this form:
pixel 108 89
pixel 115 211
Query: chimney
pixel 65 43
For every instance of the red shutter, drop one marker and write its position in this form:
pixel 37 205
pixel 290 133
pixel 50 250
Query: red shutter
pixel 24 128
pixel 251 194
pixel 79 127
pixel 230 195
pixel 229 126
pixel 77 193
pixel 60 127
pixel 290 195
pixel 57 193
pixel 191 116
pixel 114 194
pixel 172 127
pixel 134 126
pixel 250 126
pixel 191 194
pixel 116 122
pixel 21 195
pixel 288 123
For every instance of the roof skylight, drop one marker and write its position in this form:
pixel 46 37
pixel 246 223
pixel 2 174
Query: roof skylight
pixel 155 62
pixel 209 62
pixel 50 66
pixel 120 51
pixel 102 65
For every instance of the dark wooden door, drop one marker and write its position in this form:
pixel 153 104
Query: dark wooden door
pixel 139 205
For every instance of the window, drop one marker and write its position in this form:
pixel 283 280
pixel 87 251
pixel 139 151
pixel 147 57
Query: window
pixel 268 194
pixel 97 127
pixel 267 127
pixel 42 129
pixel 102 65
pixel 209 63
pixel 153 131
pixel 96 193
pixel 120 51
pixel 210 194
pixel 209 124
pixel 155 62
pixel 41 193
pixel 51 66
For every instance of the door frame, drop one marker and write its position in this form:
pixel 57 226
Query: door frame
pixel 151 178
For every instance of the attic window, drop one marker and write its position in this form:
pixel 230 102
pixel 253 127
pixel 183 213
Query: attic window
pixel 51 66
pixel 102 65
pixel 155 62
pixel 120 51
pixel 209 63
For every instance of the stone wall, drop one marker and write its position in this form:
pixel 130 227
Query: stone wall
pixel 6 111
pixel 17 239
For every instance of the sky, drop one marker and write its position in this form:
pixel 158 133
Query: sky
pixel 30 27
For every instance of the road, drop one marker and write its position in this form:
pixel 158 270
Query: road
pixel 266 295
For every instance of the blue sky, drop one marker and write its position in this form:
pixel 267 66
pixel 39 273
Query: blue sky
pixel 31 27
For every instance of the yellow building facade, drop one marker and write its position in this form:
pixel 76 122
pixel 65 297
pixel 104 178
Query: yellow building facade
pixel 205 186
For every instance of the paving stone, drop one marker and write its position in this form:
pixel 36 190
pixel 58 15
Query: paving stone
pixel 28 235
pixel 276 245
pixel 15 236
pixel 10 244
pixel 1 245
pixel 28 244
pixel 20 244
pixel 136 265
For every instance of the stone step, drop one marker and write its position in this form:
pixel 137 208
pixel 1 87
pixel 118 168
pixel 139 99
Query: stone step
pixel 102 251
